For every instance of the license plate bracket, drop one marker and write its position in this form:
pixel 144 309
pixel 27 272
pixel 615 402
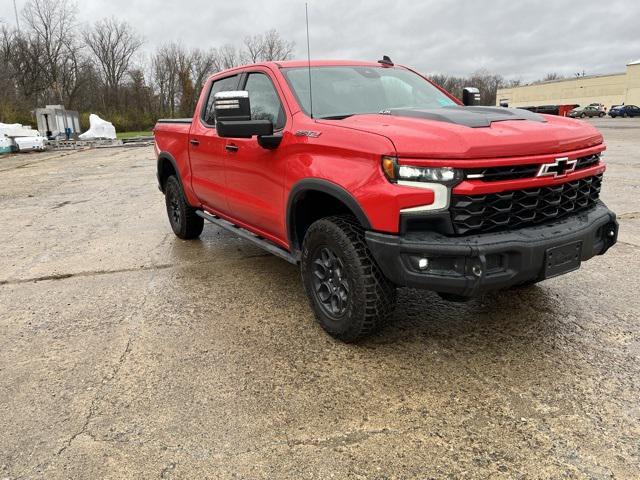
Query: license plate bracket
pixel 562 259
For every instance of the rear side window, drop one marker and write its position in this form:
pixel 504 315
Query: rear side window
pixel 223 85
pixel 265 103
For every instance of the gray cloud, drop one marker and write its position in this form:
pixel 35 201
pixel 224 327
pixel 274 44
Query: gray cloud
pixel 518 39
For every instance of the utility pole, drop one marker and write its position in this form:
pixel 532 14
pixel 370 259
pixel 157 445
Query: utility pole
pixel 15 10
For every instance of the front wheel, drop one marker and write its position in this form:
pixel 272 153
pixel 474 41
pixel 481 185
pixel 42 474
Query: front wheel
pixel 350 297
pixel 582 115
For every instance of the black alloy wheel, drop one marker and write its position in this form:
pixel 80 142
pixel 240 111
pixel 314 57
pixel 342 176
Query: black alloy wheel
pixel 184 220
pixel 330 283
pixel 173 207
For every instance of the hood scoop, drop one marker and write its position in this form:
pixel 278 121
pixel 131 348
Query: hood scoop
pixel 474 117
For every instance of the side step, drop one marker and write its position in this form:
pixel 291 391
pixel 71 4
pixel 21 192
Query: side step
pixel 256 240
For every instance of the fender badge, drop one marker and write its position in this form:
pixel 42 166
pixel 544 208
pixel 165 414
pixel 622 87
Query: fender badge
pixel 308 133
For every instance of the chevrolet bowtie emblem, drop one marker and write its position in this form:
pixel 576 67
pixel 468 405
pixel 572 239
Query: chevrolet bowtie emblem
pixel 559 168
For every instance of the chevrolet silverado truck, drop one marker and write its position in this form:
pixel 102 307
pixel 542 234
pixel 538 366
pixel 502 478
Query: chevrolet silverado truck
pixel 368 176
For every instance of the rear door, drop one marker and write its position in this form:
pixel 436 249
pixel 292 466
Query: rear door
pixel 255 175
pixel 207 151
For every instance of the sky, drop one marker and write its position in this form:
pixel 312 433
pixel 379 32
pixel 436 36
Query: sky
pixel 519 39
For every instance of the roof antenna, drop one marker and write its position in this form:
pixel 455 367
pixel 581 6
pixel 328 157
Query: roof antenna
pixel 15 10
pixel 386 61
pixel 306 12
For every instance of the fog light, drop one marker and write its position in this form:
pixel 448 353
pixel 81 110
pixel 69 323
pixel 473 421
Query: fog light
pixel 611 233
pixel 423 263
pixel 477 270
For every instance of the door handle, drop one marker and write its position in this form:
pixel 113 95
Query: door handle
pixel 194 142
pixel 230 147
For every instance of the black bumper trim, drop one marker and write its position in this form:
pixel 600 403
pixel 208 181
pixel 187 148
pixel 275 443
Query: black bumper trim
pixel 503 259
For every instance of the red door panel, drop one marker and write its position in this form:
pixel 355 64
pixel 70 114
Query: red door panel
pixel 255 175
pixel 207 151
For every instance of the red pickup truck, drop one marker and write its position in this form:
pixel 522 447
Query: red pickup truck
pixel 369 177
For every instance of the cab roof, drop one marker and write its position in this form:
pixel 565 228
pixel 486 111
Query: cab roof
pixel 324 63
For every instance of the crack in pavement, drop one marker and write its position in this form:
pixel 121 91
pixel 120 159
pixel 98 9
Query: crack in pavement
pixel 88 273
pixel 106 380
pixel 92 407
pixel 162 266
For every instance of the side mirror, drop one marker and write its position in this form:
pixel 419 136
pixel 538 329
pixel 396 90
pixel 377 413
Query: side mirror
pixel 233 116
pixel 470 96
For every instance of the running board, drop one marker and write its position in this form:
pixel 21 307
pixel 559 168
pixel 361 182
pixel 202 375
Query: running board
pixel 247 235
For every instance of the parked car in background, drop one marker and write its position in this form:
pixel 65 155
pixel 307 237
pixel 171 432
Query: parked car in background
pixel 624 111
pixel 589 111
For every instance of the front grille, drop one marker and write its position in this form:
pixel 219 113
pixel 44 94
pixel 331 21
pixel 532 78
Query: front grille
pixel 514 172
pixel 520 208
pixel 585 162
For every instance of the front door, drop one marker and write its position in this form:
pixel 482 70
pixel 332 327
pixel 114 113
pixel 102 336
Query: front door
pixel 207 152
pixel 255 175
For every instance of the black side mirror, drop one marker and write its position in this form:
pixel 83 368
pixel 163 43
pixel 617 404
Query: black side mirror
pixel 470 96
pixel 233 116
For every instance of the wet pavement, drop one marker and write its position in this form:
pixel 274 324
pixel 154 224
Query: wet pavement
pixel 128 353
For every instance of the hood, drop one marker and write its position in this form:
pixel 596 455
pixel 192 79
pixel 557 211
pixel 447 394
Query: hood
pixel 496 132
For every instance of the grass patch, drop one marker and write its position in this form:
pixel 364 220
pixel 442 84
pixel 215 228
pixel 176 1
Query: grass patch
pixel 124 135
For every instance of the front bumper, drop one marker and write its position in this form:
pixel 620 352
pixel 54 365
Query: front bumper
pixel 468 266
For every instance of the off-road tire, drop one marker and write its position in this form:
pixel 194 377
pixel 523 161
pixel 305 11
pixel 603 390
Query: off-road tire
pixel 182 217
pixel 371 296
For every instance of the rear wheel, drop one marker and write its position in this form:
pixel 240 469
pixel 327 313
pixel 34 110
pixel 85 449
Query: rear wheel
pixel 350 297
pixel 582 115
pixel 601 114
pixel 182 217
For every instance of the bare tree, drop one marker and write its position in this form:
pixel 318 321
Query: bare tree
pixel 482 79
pixel 25 58
pixel 515 82
pixel 52 22
pixel 203 64
pixel 552 76
pixel 113 44
pixel 48 62
pixel 275 47
pixel 227 56
pixel 254 47
pixel 266 47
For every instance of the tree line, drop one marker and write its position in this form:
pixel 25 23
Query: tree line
pixel 102 69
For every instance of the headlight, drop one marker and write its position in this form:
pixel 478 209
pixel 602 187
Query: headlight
pixel 407 173
pixel 437 179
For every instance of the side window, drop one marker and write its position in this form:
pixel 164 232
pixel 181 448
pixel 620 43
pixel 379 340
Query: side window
pixel 265 103
pixel 222 85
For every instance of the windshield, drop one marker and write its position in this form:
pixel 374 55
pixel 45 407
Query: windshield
pixel 343 91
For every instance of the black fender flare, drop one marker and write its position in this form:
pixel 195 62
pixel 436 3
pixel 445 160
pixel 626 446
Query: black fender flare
pixel 324 186
pixel 162 157
pixel 166 156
